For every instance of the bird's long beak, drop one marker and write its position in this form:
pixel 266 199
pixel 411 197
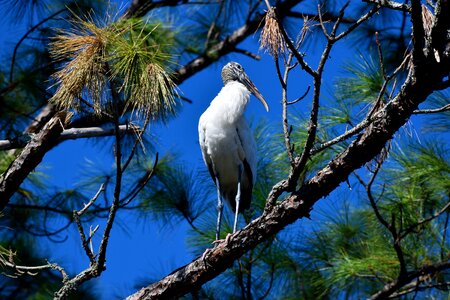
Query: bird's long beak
pixel 252 88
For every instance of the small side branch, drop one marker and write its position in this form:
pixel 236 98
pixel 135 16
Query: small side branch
pixel 432 111
pixel 76 216
pixel 411 228
pixel 391 5
pixel 70 134
pixel 31 270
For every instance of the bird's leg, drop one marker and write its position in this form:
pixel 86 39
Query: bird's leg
pixel 238 198
pixel 219 209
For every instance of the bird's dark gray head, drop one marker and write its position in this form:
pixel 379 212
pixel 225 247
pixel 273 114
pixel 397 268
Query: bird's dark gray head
pixel 233 71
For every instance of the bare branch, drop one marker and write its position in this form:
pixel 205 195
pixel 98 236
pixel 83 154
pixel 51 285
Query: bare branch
pixel 411 228
pixel 284 84
pixel 393 286
pixel 414 287
pixel 301 97
pixel 433 110
pixel 30 270
pixel 247 53
pixel 389 226
pixel 13 60
pixel 361 20
pixel 391 4
pixel 70 134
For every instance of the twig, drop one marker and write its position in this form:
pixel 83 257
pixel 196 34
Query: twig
pixel 357 23
pixel 380 55
pixel 389 226
pixel 301 97
pixel 76 216
pixel 87 205
pixel 68 134
pixel 415 288
pixel 324 30
pixel 29 270
pixel 391 4
pixel 13 60
pixel 286 131
pixel 432 111
pixel 140 185
pixel 411 228
pixel 248 53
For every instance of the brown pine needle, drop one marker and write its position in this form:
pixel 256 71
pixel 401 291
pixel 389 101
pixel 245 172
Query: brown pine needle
pixel 85 52
pixel 271 38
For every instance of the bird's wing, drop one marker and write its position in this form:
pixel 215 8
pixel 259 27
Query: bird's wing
pixel 247 147
pixel 204 148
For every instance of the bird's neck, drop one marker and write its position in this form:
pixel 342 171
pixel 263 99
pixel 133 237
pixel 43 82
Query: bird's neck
pixel 232 100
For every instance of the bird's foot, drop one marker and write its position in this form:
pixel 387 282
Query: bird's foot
pixel 219 241
pixel 205 256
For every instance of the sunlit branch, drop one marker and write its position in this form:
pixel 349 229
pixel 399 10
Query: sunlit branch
pixel 391 4
pixel 432 111
pixel 31 270
pixel 71 134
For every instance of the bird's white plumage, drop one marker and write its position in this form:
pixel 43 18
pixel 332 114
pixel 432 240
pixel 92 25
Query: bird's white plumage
pixel 226 139
pixel 227 143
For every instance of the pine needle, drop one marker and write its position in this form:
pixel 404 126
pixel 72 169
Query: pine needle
pixel 85 51
pixel 271 38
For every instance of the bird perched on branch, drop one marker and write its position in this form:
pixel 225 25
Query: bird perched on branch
pixel 227 143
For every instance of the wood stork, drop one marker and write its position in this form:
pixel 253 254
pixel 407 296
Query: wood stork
pixel 227 143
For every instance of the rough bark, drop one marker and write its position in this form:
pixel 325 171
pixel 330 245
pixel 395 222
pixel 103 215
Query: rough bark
pixel 31 156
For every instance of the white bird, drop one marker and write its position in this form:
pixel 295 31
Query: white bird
pixel 227 143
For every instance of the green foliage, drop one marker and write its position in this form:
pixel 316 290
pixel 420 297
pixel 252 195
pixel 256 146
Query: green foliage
pixel 123 56
pixel 175 194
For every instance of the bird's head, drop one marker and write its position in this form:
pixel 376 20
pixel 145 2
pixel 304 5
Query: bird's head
pixel 233 71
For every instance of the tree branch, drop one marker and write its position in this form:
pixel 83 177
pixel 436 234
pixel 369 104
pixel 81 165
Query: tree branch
pixel 31 156
pixel 432 111
pixel 70 134
pixel 393 286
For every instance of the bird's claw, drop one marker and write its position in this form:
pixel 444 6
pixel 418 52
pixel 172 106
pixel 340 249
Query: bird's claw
pixel 205 256
pixel 219 241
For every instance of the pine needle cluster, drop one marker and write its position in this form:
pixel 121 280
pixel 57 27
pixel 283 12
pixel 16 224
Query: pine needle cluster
pixel 120 62
pixel 271 37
